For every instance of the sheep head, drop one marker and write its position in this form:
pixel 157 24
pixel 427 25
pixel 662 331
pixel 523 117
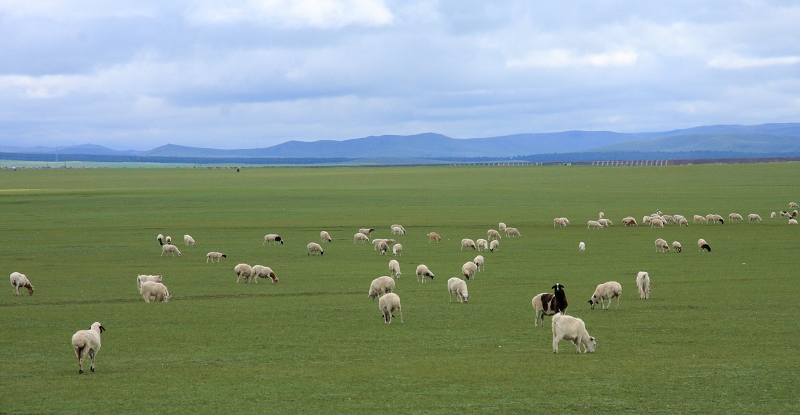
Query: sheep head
pixel 29 287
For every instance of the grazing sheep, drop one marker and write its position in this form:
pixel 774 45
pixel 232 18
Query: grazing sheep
pixel 601 215
pixel 155 292
pixel 87 342
pixel 560 222
pixel 753 217
pixel 433 236
pixel 656 223
pixel 170 248
pixel 422 272
pixel 141 279
pixel 793 205
pixel 479 262
pixel 676 246
pixel 582 247
pixel 243 271
pixel 263 272
pixel 735 217
pixel 492 234
pixel 358 236
pixel 215 255
pixel 387 304
pixel 20 280
pixel 397 230
pixel 606 291
pixel 772 215
pixel 383 247
pixel 188 240
pixel 381 286
pixel 702 244
pixel 629 221
pixel 501 226
pixel 605 222
pixel 792 221
pixel 402 229
pixel 646 220
pixel 483 244
pixel 683 222
pixel 468 243
pixel 394 269
pixel 314 248
pixel 546 304
pixel 160 239
pixel 168 239
pixel 458 287
pixel 512 233
pixel 572 328
pixel 714 218
pixel 494 245
pixel 593 224
pixel 377 242
pixel 397 249
pixel 668 219
pixel 785 214
pixel 643 283
pixel 469 269
pixel 661 245
pixel 366 231
pixel 272 237
pixel 325 237
pixel 678 217
pixel 698 218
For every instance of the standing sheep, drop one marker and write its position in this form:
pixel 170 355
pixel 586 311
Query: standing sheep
pixel 793 205
pixel 546 304
pixel 560 222
pixel 366 231
pixel 458 287
pixel 735 217
pixel 155 291
pixel 501 226
pixel 387 304
pixel 397 249
pixel 381 286
pixel 582 247
pixel 469 269
pixel 20 280
pixel 661 245
pixel 422 272
pixel 468 243
pixel 314 248
pixel 772 215
pixel 272 238
pixel 87 342
pixel 394 269
pixel 482 244
pixel 605 222
pixel 593 224
pixel 188 240
pixel 215 255
pixel 494 245
pixel 141 279
pixel 656 223
pixel 383 247
pixel 676 246
pixel 512 233
pixel 358 236
pixel 683 222
pixel 698 218
pixel 753 217
pixel 325 237
pixel 629 221
pixel 160 239
pixel 702 244
pixel 398 230
pixel 572 328
pixel 606 291
pixel 492 234
pixel 243 271
pixel 479 262
pixel 168 239
pixel 401 228
pixel 170 248
pixel 260 271
pixel 643 283
pixel 433 236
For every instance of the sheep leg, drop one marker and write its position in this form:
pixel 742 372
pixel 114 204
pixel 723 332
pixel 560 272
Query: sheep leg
pixel 618 296
pixel 91 355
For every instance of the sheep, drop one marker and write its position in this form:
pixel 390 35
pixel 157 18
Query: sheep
pixel 753 217
pixel 512 233
pixel 546 304
pixel 560 222
pixel 492 234
pixel 383 246
pixel 168 239
pixel 215 255
pixel 494 245
pixel 387 304
pixel 606 291
pixel 479 262
pixel 325 237
pixel 661 245
pixel 394 269
pixel 141 279
pixel 582 247
pixel 160 239
pixel 468 243
pixel 601 215
pixel 20 280
pixel 482 244
pixel 469 269
pixel 793 221
pixel 314 248
pixel 772 215
pixel 676 246
pixel 735 216
pixel 629 221
pixel 188 240
pixel 272 237
pixel 668 219
pixel 643 283
pixel 402 229
pixel 702 244
pixel 397 249
pixel 366 231
pixel 605 222
pixel 170 248
pixel 656 223
pixel 397 230
pixel 683 222
pixel 593 224
pixel 646 220
pixel 243 271
pixel 422 272
pixel 714 218
pixel 501 226
pixel 263 272
pixel 678 217
pixel 571 328
pixel 155 291
pixel 358 236
pixel 698 218
pixel 377 242
pixel 794 213
pixel 87 342
pixel 458 287
pixel 785 214
pixel 793 205
pixel 381 286
pixel 433 236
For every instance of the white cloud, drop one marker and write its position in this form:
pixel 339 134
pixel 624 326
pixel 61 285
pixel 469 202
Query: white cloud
pixel 561 58
pixel 741 62
pixel 321 14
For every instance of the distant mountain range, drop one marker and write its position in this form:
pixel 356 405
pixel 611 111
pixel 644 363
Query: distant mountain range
pixel 730 139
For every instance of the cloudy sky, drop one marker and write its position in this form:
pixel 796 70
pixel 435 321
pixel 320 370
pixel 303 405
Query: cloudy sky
pixel 137 74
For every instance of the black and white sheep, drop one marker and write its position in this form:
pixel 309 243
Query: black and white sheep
pixel 479 262
pixel 314 248
pixel 702 244
pixel 366 231
pixel 676 246
pixel 381 286
pixel 458 287
pixel 20 280
pixel 422 272
pixel 494 245
pixel 388 304
pixel 574 329
pixel 546 304
pixel 324 236
pixel 160 239
pixel 215 255
pixel 87 342
pixel 606 291
pixel 272 238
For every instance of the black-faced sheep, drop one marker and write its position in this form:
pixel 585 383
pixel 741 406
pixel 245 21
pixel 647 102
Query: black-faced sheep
pixel 20 280
pixel 325 237
pixel 458 287
pixel 87 342
pixel 606 291
pixel 366 231
pixel 479 262
pixel 387 304
pixel 574 329
pixel 160 239
pixel 422 272
pixel 381 286
pixel 546 304
pixel 702 244
pixel 215 255
pixel 676 246
pixel 272 238
pixel 494 245
pixel 314 248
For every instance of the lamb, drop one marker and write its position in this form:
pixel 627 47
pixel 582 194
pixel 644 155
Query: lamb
pixel 394 269
pixel 20 280
pixel 468 243
pixel 402 229
pixel 387 304
pixel 753 217
pixel 458 287
pixel 272 237
pixel 482 244
pixel 160 239
pixel 512 233
pixel 366 231
pixel 433 236
pixel 629 221
pixel 643 283
pixel 492 234
pixel 479 262
pixel 676 246
pixel 494 245
pixel 170 248
pixel 656 223
pixel 358 236
pixel 168 239
pixel 702 244
pixel 215 255
pixel 582 247
pixel 87 342
pixel 572 328
pixel 263 272
pixel 605 222
pixel 661 245
pixel 314 248
pixel 735 216
pixel 501 226
pixel 383 246
pixel 469 269
pixel 422 272
pixel 243 271
pixel 188 240
pixel 397 230
pixel 792 221
pixel 546 304
pixel 593 224
pixel 397 249
pixel 325 237
pixel 141 279
pixel 381 286
pixel 155 291
pixel 606 291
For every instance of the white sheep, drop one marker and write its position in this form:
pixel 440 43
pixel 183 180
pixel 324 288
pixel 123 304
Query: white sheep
pixel 402 229
pixel 793 205
pixel 141 279
pixel 469 269
pixel 753 217
pixel 188 240
pixel 661 245
pixel 643 283
pixel 433 236
pixel 170 248
pixel 366 231
pixel 699 218
pixel 792 221
pixel 325 237
pixel 772 215
pixel 571 328
pixel 160 239
pixel 702 244
pixel 669 219
pixel 458 287
pixel 394 268
pixel 677 246
pixel 358 236
pixel 397 249
pixel 397 230
pixel 20 280
pixel 601 215
pixel 501 226
pixel 492 234
pixel 215 255
pixel 482 244
pixel 377 241
pixel 468 243
pixel 422 272
pixel 168 239
pixel 656 223
pixel 629 221
pixel 593 224
pixel 606 291
pixel 582 247
pixel 155 291
pixel 494 245
pixel 646 220
pixel 735 217
pixel 605 222
pixel 387 304
pixel 87 342
pixel 512 233
pixel 683 222
pixel 479 262
pixel 560 222
pixel 314 248
pixel 243 271
pixel 381 286
pixel 260 271
pixel 272 238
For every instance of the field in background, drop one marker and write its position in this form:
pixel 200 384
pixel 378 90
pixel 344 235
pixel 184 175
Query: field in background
pixel 719 334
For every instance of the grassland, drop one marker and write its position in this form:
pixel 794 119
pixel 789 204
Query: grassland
pixel 719 334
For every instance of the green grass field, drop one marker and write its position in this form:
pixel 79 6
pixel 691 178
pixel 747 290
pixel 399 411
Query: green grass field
pixel 719 334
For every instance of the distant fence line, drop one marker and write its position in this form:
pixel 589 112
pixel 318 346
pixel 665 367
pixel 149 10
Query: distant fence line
pixel 631 163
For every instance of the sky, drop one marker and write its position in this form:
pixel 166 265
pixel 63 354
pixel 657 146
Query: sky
pixel 230 74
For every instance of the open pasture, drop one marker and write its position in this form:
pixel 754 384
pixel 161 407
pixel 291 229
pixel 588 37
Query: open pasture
pixel 719 334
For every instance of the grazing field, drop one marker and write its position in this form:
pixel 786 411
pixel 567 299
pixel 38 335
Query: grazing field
pixel 719 334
